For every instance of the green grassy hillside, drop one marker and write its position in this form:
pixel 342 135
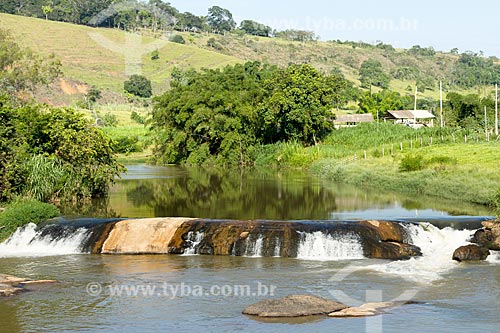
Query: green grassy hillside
pixel 86 61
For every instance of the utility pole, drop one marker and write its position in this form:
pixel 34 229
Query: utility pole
pixel 486 124
pixel 415 107
pixel 441 102
pixel 496 109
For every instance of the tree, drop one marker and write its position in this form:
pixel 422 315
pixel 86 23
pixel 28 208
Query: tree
pixel 297 35
pixel 382 102
pixel 372 73
pixel 92 96
pixel 210 116
pixel 138 85
pixel 299 105
pixel 220 19
pixel 255 28
pixel 48 9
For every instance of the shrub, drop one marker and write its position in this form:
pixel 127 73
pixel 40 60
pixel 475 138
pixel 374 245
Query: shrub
pixel 21 213
pixel 109 120
pixel 155 55
pixel 127 145
pixel 411 163
pixel 135 116
pixel 177 39
pixel 138 85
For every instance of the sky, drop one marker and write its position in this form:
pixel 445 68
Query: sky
pixel 463 24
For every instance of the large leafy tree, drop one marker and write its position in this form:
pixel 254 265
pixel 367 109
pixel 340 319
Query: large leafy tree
pixel 255 28
pixel 382 102
pixel 372 73
pixel 211 116
pixel 299 106
pixel 220 19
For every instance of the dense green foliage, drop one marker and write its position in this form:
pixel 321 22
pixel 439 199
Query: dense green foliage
pixel 212 114
pixel 372 73
pixel 53 154
pixel 221 116
pixel 299 105
pixel 220 19
pixel 23 212
pixel 138 85
pixel 254 28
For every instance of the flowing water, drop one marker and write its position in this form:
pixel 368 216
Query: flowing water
pixel 195 293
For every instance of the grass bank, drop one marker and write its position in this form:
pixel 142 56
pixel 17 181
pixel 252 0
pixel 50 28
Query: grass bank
pixel 22 212
pixel 444 163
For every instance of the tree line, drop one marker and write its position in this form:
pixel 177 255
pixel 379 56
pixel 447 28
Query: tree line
pixel 132 15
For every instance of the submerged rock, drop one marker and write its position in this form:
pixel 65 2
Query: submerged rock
pixel 366 310
pixel 294 306
pixel 12 285
pixel 471 253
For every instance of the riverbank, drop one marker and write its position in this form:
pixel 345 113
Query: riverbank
pixel 444 163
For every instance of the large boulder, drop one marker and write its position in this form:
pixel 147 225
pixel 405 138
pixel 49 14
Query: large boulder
pixel 471 253
pixel 489 236
pixel 294 306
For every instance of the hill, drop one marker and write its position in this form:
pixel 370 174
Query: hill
pixel 87 61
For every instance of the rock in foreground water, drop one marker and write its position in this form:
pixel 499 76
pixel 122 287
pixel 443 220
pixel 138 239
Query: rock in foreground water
pixel 471 253
pixel 366 310
pixel 294 306
pixel 12 285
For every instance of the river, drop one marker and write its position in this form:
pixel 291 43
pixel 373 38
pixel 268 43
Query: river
pixel 99 293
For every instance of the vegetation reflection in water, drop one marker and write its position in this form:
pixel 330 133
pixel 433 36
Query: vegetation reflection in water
pixel 258 194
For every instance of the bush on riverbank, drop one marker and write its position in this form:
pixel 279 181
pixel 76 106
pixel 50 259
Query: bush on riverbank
pixel 53 154
pixel 23 212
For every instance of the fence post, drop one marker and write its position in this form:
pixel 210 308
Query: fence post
pixel 421 142
pixel 411 144
pixel 365 154
pixel 383 152
pixel 401 145
pixel 431 141
pixel 465 138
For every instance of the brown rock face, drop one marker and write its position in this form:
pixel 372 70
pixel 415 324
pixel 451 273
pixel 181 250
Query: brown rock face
pixel 489 236
pixel 147 236
pixel 293 306
pixel 471 253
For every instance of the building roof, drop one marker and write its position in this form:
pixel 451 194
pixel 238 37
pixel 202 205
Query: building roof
pixel 411 114
pixel 355 118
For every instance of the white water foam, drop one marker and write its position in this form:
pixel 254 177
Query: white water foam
pixel 437 247
pixel 195 238
pixel 494 257
pixel 27 242
pixel 254 249
pixel 323 247
pixel 277 248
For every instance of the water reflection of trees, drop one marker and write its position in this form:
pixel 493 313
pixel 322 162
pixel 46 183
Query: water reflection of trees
pixel 248 194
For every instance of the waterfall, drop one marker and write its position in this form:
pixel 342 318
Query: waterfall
pixel 195 238
pixel 277 248
pixel 321 246
pixel 254 249
pixel 29 241
pixel 437 247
